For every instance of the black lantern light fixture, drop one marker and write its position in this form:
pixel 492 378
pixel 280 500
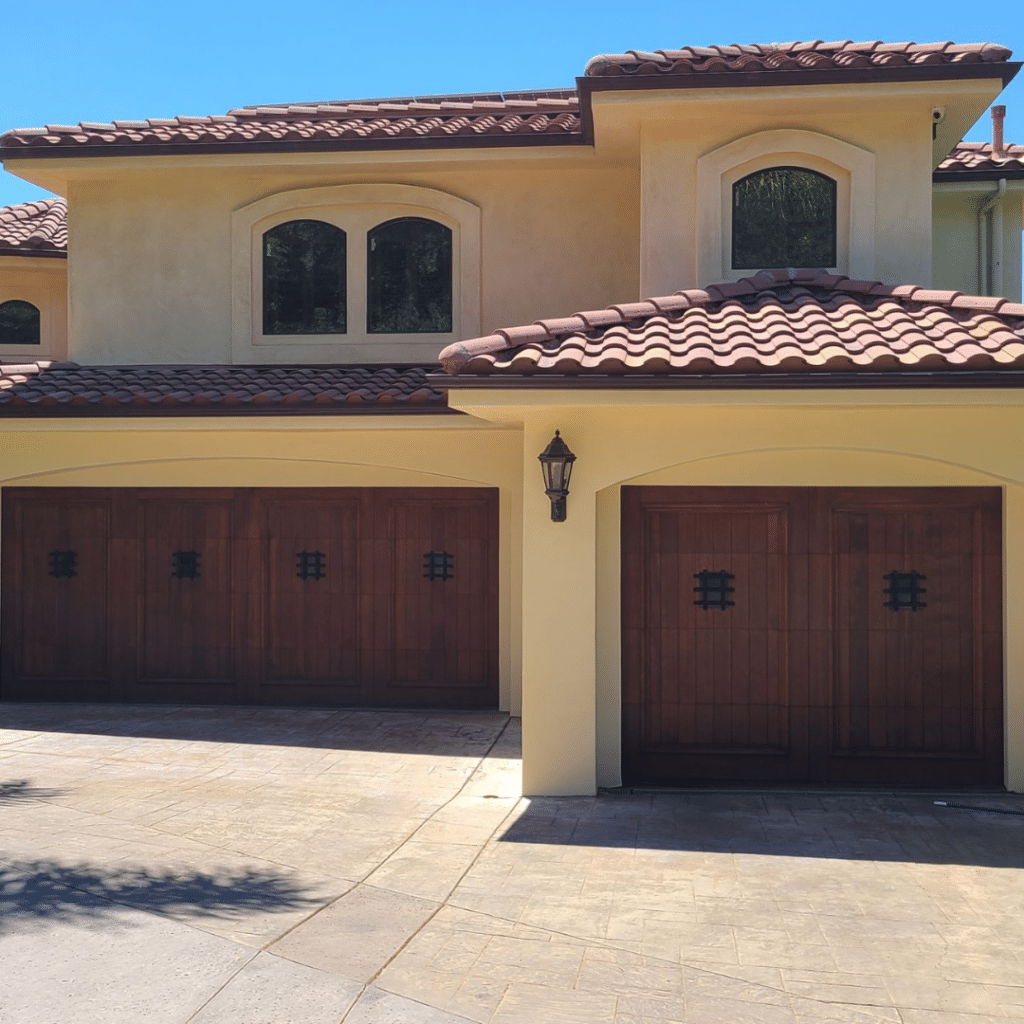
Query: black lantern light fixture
pixel 556 464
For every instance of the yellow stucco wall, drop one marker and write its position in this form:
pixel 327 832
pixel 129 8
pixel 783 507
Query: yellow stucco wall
pixel 890 123
pixel 571 576
pixel 151 266
pixel 431 451
pixel 955 253
pixel 43 281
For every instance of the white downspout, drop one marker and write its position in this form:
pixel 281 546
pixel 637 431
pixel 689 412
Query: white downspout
pixel 990 269
pixel 997 240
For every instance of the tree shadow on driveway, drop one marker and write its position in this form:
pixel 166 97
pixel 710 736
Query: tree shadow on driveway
pixel 22 789
pixel 47 890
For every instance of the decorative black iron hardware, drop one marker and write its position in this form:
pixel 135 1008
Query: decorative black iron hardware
pixel 904 590
pixel 714 589
pixel 438 565
pixel 185 565
pixel 312 565
pixel 63 564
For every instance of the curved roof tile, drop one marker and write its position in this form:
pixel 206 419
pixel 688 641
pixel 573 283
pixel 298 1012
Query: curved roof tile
pixel 814 55
pixel 804 323
pixel 53 388
pixel 34 229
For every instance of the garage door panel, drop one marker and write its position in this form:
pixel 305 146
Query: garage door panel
pixel 908 676
pixel 440 594
pixel 185 607
pixel 56 555
pixel 708 682
pixel 311 601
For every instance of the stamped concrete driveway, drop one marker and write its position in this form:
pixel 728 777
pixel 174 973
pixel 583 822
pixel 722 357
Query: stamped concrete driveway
pixel 266 866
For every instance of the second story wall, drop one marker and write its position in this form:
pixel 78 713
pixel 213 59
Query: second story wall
pixel 874 141
pixel 41 283
pixel 163 249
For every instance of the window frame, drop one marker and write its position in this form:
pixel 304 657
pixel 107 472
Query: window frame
pixel 851 167
pixel 355 209
pixel 41 281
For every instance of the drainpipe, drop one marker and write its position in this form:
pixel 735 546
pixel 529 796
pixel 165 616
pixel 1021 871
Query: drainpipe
pixel 990 268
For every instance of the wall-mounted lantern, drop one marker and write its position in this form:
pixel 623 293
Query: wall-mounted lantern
pixel 556 464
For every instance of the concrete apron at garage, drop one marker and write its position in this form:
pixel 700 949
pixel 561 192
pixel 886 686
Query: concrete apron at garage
pixel 197 864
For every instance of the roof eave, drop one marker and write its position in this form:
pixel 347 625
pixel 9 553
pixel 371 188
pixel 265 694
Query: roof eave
pixel 1005 71
pixel 1015 173
pixel 770 381
pixel 17 250
pixel 21 152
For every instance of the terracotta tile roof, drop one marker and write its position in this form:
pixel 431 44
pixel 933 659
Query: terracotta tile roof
pixel 54 388
pixel 972 158
pixel 816 55
pixel 812 323
pixel 535 117
pixel 34 229
pixel 488 118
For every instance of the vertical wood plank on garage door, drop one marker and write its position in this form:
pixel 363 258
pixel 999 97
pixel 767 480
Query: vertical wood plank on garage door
pixel 436 588
pixel 186 635
pixel 55 627
pixel 706 690
pixel 310 616
pixel 909 684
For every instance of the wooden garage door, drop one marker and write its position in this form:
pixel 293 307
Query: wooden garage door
pixel 812 634
pixel 373 597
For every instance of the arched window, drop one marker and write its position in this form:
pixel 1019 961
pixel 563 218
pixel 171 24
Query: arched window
pixel 783 217
pixel 19 323
pixel 409 277
pixel 304 278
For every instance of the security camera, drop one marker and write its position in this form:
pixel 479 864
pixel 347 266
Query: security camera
pixel 938 115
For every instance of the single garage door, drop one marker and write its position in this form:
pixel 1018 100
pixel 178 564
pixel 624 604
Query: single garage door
pixel 812 634
pixel 343 596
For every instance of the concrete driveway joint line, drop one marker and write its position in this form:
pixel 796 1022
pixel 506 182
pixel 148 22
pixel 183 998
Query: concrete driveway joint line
pixel 200 865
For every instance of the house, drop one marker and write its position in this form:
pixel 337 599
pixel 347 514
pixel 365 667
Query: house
pixel 261 441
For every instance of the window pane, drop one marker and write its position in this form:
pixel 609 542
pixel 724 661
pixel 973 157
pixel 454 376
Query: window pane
pixel 304 278
pixel 409 290
pixel 783 217
pixel 19 323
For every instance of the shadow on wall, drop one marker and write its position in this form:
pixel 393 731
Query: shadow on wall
pixel 41 890
pixel 445 733
pixel 676 829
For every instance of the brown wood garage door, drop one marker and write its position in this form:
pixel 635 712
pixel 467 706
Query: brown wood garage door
pixel 836 635
pixel 343 596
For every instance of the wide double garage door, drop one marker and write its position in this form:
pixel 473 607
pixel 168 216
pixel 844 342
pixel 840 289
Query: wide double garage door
pixel 345 596
pixel 826 635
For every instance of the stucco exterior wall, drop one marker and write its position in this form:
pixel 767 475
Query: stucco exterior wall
pixel 299 452
pixel 151 268
pixel 43 281
pixel 956 257
pixel 571 570
pixel 890 124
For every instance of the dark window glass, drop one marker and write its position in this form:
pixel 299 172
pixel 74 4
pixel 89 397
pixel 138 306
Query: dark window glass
pixel 304 278
pixel 19 323
pixel 783 217
pixel 409 286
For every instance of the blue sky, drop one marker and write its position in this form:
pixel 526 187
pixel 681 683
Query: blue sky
pixel 66 62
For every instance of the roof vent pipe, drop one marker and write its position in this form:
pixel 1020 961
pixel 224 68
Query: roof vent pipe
pixel 998 114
